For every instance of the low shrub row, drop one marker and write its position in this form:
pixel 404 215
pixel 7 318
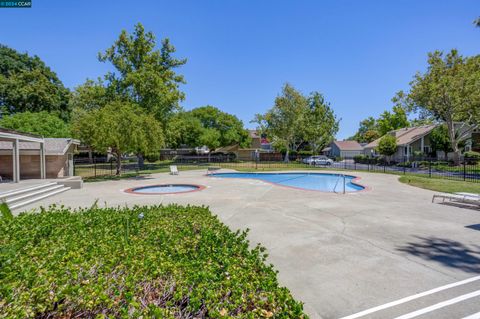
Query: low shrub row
pixel 150 262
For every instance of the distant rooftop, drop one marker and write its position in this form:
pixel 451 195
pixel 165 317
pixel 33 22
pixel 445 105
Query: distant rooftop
pixel 406 135
pixel 348 145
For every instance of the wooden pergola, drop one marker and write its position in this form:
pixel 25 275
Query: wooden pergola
pixel 15 138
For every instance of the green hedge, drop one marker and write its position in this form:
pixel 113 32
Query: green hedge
pixel 155 262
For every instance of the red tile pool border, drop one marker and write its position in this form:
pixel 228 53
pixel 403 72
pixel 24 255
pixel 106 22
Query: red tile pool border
pixel 354 181
pixel 132 190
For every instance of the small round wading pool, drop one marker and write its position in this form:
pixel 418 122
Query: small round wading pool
pixel 165 189
pixel 323 182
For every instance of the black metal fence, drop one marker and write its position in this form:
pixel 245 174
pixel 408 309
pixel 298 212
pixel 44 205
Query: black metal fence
pixel 100 166
pixel 467 170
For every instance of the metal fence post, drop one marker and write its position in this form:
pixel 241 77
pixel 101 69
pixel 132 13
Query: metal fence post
pixel 111 167
pixel 430 168
pixel 464 169
pixel 95 166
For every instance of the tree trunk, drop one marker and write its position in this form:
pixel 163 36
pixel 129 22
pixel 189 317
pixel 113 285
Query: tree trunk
pixel 456 155
pixel 286 159
pixel 90 155
pixel 119 163
pixel 454 141
pixel 140 161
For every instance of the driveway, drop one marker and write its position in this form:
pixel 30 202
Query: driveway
pixel 386 252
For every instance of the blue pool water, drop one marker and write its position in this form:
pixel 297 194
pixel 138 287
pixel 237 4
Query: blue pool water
pixel 165 189
pixel 308 181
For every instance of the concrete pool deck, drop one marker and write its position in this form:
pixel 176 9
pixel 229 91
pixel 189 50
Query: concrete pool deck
pixel 340 254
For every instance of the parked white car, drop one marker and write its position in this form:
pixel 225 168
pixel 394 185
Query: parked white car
pixel 318 160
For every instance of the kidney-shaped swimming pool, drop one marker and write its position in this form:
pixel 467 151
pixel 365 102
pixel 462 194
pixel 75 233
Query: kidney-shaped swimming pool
pixel 308 181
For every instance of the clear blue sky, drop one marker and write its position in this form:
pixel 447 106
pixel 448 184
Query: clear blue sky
pixel 357 53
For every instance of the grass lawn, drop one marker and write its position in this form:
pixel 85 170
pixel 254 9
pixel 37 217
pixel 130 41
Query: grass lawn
pixel 441 185
pixel 144 262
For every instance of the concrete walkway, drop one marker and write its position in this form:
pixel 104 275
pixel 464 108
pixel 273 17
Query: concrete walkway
pixel 340 254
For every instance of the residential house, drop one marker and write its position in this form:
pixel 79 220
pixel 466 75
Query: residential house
pixel 259 140
pixel 344 149
pixel 259 144
pixel 410 141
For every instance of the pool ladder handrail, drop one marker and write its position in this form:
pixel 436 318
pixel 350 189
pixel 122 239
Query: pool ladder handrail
pixel 335 187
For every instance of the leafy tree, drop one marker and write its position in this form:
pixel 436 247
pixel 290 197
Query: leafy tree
pixel 91 95
pixel 296 119
pixel 448 92
pixel 41 123
pixel 183 129
pixel 321 124
pixel 370 136
pixel 367 131
pixel 230 129
pixel 144 75
pixel 387 146
pixel 27 84
pixel 284 122
pixel 439 140
pixel 122 128
pixel 210 137
pixel 371 129
pixel 390 121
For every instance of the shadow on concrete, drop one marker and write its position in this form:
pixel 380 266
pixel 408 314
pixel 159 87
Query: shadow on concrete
pixel 140 177
pixel 474 226
pixel 461 205
pixel 447 252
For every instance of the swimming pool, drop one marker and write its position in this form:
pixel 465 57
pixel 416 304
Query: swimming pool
pixel 308 181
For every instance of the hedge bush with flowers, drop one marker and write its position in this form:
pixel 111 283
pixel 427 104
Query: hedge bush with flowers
pixel 143 262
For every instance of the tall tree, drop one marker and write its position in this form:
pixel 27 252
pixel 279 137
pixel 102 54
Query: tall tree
pixel 41 123
pixel 389 121
pixel 439 140
pixel 144 75
pixel 230 129
pixel 27 84
pixel 371 129
pixel 183 129
pixel 284 122
pixel 367 131
pixel 91 95
pixel 122 128
pixel 321 124
pixel 296 119
pixel 206 125
pixel 449 91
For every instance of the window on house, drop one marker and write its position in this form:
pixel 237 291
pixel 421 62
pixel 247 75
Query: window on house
pixel 427 149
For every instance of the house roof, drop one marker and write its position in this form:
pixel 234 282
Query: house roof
pixel 227 149
pixel 11 135
pixel 6 130
pixel 348 145
pixel 53 146
pixel 407 135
